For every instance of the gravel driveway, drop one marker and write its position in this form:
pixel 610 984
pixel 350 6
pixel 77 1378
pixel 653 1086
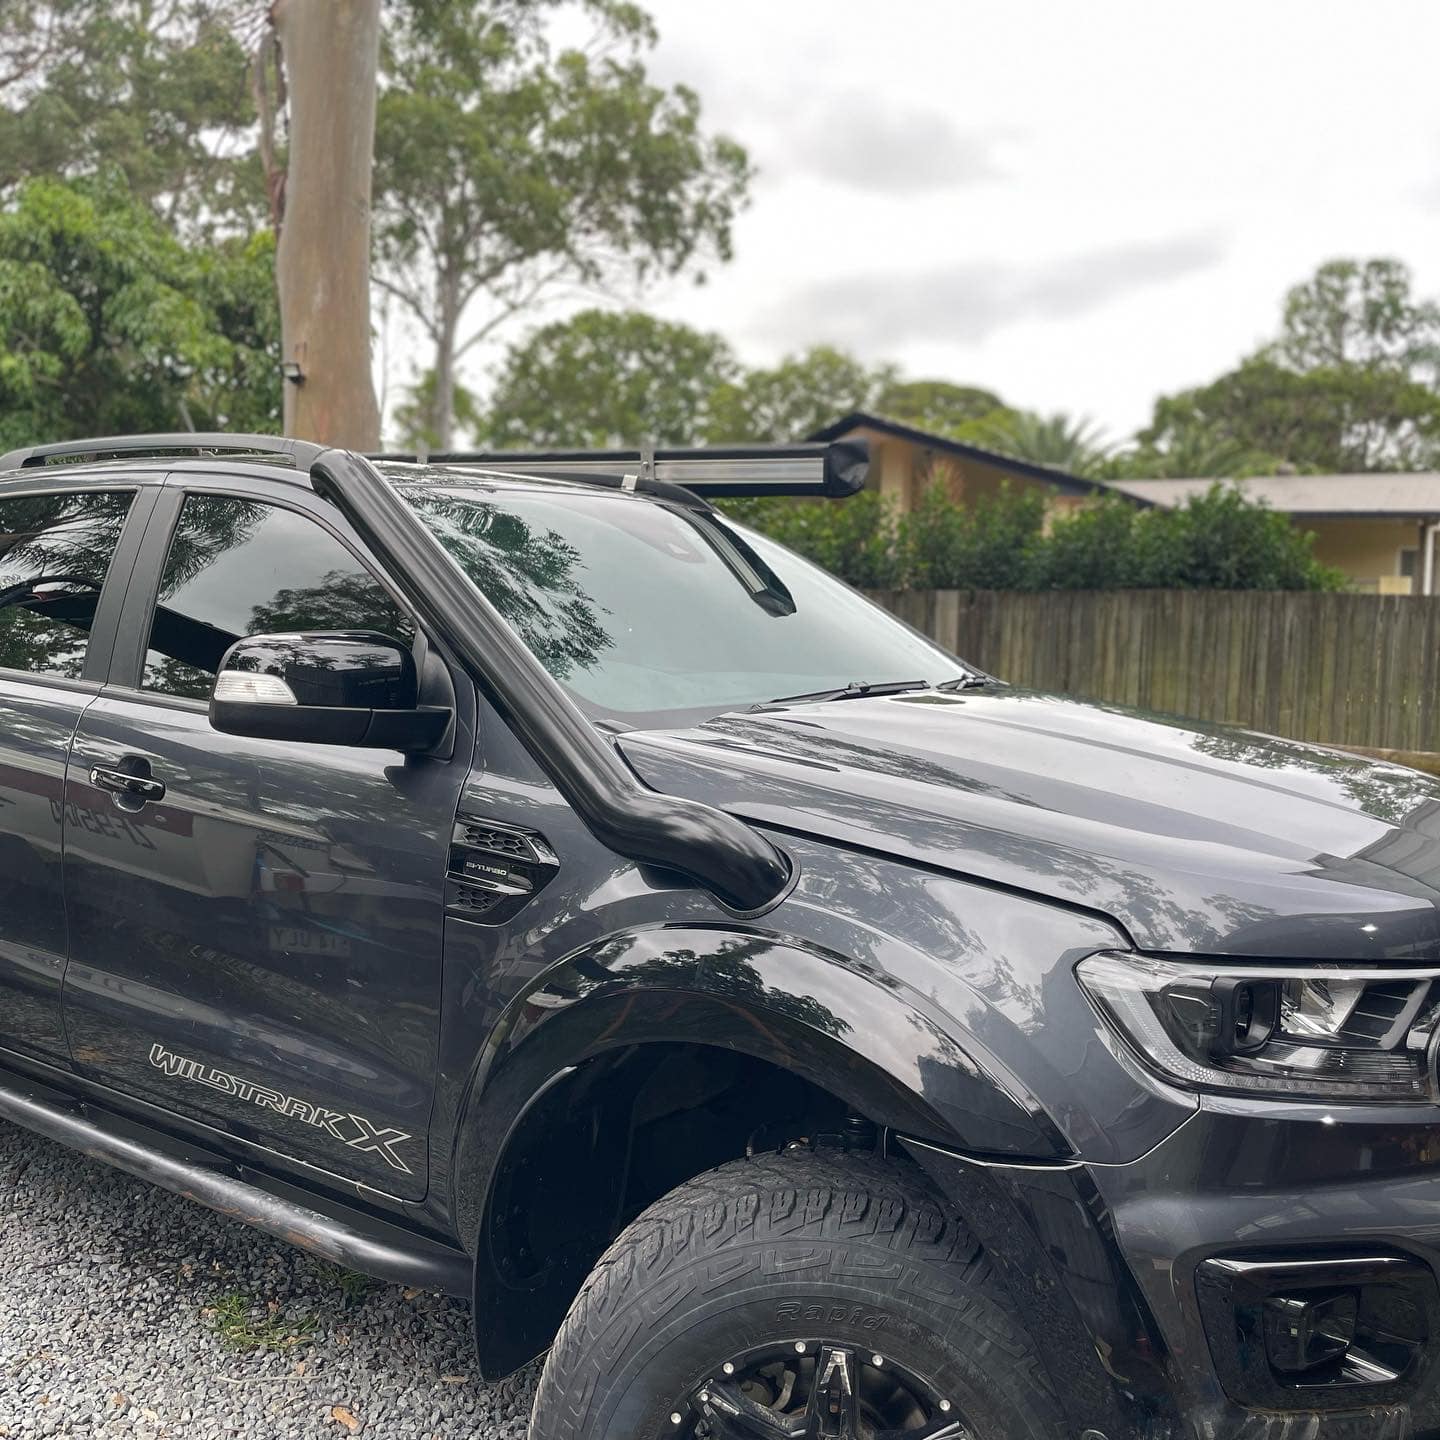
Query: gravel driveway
pixel 127 1311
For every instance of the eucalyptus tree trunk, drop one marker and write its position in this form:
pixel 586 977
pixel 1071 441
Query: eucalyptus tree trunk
pixel 442 411
pixel 331 53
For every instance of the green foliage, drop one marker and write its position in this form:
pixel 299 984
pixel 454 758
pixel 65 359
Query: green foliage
pixel 608 378
pixel 1060 441
pixel 1349 386
pixel 245 1323
pixel 1092 548
pixel 855 539
pixel 1218 541
pixel 938 406
pixel 1222 541
pixel 990 545
pixel 108 324
pixel 414 416
pixel 1262 418
pixel 158 92
pixel 1352 315
pixel 796 397
pixel 605 379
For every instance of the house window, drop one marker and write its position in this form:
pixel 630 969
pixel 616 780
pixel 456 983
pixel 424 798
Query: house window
pixel 1407 565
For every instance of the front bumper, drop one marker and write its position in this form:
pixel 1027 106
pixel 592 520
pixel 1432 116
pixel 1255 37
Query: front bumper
pixel 1109 1263
pixel 1292 1185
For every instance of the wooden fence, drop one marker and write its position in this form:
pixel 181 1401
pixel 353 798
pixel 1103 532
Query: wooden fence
pixel 1360 670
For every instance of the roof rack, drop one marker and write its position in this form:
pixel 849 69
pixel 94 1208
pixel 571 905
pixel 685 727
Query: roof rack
pixel 836 469
pixel 302 454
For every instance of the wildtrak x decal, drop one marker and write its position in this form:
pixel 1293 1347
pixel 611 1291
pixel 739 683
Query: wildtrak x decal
pixel 350 1129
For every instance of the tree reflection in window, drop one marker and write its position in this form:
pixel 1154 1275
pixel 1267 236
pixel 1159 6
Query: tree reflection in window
pixel 528 574
pixel 55 551
pixel 242 567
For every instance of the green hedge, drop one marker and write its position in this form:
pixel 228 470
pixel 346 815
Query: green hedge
pixel 1217 541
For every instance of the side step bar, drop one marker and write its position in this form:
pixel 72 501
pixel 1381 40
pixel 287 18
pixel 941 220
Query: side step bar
pixel 388 1252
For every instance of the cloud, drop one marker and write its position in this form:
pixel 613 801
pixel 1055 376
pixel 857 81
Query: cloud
pixel 972 301
pixel 852 140
pixel 858 138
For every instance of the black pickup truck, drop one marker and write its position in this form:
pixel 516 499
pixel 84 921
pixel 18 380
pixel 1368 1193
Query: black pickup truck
pixel 507 875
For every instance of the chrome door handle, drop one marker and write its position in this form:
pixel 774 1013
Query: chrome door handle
pixel 121 782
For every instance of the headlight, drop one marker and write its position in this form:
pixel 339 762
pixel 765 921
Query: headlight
pixel 1305 1032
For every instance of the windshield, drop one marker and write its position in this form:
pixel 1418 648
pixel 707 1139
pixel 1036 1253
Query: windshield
pixel 651 613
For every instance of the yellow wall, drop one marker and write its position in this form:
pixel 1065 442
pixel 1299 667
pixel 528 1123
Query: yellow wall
pixel 901 470
pixel 1368 551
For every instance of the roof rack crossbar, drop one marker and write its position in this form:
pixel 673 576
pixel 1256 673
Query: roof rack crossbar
pixel 836 469
pixel 300 453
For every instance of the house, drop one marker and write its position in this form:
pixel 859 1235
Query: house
pixel 904 461
pixel 1379 529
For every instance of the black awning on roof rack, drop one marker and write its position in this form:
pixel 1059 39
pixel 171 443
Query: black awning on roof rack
pixel 835 469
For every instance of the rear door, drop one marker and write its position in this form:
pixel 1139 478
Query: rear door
pixel 268 960
pixel 65 556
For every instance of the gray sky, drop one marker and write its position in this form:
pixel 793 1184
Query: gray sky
pixel 1077 204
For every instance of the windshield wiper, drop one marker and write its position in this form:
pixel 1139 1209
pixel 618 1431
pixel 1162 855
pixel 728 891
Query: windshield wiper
pixel 855 690
pixel 966 682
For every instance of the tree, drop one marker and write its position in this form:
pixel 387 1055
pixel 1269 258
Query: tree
pixel 799 396
pixel 1264 417
pixel 506 169
pixel 1348 386
pixel 1350 315
pixel 603 378
pixel 1058 440
pixel 936 405
pixel 156 91
pixel 413 417
pixel 108 324
pixel 330 51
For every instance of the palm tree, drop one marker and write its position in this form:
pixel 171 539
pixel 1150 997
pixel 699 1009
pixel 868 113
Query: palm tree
pixel 1074 445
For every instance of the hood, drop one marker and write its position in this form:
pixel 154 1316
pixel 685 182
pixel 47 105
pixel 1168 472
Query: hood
pixel 1196 839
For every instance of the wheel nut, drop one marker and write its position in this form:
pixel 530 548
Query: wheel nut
pixel 799 1347
pixel 877 1360
pixel 945 1406
pixel 675 1417
pixel 729 1368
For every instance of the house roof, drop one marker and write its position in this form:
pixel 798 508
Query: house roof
pixel 1062 480
pixel 1401 496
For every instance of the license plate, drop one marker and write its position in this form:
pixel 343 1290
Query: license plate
pixel 300 940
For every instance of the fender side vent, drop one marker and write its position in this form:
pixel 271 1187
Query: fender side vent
pixel 495 869
pixel 502 842
pixel 473 901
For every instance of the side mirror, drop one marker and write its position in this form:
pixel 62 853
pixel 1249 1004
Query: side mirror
pixel 343 688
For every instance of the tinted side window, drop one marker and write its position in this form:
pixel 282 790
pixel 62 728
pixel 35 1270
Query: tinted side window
pixel 55 551
pixel 241 567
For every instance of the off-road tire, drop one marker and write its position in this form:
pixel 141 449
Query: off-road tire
pixel 807 1245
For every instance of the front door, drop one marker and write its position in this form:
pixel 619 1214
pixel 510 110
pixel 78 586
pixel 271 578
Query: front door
pixel 267 960
pixel 57 550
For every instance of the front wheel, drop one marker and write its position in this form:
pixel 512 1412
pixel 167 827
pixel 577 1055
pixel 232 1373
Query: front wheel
pixel 807 1295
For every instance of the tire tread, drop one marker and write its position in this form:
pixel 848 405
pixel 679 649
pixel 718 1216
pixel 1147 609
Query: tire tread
pixel 817 1195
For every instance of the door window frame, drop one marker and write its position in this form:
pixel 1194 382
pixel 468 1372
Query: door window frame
pixel 144 488
pixel 132 639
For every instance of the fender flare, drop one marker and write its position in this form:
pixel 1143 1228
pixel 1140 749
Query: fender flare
pixel 846 1027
